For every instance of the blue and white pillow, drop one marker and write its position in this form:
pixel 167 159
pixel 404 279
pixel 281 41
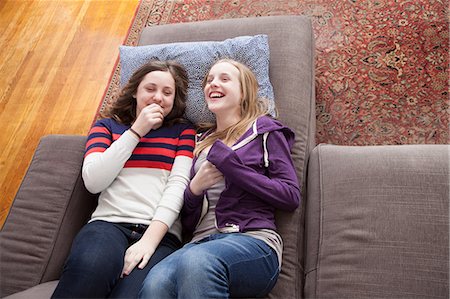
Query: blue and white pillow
pixel 197 58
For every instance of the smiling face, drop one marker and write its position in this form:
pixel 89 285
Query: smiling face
pixel 223 90
pixel 156 87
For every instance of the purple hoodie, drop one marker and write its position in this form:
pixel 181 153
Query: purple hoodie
pixel 259 178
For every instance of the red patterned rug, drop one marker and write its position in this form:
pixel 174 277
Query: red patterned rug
pixel 382 73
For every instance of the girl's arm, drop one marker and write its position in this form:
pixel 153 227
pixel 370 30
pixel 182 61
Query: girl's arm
pixel 171 202
pixel 207 176
pixel 168 208
pixel 101 166
pixel 191 211
pixel 170 205
pixel 279 188
pixel 104 159
pixel 141 251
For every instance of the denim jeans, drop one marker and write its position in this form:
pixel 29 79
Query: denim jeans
pixel 95 263
pixel 218 266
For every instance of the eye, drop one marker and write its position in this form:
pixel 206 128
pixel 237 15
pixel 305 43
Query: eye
pixel 167 91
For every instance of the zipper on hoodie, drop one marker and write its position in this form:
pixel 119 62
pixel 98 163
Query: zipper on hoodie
pixel 229 228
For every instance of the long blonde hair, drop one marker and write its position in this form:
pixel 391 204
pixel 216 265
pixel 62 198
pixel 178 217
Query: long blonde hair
pixel 251 108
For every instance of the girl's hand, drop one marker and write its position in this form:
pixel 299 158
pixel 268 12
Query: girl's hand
pixel 141 252
pixel 138 255
pixel 206 176
pixel 150 118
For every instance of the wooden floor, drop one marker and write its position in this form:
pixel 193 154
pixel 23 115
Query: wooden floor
pixel 56 57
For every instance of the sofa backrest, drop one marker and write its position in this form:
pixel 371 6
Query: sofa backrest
pixel 291 44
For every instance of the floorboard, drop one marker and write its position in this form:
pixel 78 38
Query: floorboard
pixel 56 57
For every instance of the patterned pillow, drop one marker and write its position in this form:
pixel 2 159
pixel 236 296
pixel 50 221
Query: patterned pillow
pixel 197 58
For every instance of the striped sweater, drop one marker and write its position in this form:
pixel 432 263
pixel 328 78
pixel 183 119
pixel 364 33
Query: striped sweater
pixel 138 180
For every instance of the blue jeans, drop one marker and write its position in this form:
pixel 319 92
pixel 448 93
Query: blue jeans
pixel 95 263
pixel 219 266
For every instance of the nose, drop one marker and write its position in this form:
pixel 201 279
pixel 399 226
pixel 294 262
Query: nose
pixel 157 97
pixel 213 82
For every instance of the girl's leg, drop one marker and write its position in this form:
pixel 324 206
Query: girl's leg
pixel 129 286
pixel 227 265
pixel 95 262
pixel 160 281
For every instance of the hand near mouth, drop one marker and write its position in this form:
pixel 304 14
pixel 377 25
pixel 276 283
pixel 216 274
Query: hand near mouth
pixel 150 117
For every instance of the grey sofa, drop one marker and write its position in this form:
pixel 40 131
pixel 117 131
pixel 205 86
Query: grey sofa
pixel 373 222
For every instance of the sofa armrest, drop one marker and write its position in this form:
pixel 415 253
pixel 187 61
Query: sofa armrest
pixel 377 222
pixel 50 207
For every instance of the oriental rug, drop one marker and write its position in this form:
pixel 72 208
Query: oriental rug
pixel 382 67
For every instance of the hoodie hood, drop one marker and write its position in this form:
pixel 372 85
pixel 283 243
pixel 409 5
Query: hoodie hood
pixel 263 125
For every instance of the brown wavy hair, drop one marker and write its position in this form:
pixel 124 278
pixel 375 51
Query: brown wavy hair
pixel 123 110
pixel 252 107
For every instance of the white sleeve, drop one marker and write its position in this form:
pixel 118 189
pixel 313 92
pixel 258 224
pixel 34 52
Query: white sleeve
pixel 171 202
pixel 100 169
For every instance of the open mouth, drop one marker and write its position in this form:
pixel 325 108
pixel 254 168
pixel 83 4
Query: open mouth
pixel 216 95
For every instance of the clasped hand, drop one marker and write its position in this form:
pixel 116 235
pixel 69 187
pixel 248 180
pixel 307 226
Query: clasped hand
pixel 207 176
pixel 150 117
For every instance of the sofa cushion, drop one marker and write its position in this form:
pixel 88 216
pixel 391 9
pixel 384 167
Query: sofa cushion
pixel 48 210
pixel 291 71
pixel 377 222
pixel 41 291
pixel 197 58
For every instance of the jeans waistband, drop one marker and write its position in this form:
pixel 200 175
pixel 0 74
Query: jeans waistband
pixel 139 228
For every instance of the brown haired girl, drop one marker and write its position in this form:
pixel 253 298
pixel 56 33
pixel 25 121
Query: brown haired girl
pixel 138 158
